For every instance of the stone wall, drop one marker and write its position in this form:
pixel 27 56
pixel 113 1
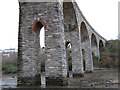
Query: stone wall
pixel 62 22
pixel 72 35
pixel 29 49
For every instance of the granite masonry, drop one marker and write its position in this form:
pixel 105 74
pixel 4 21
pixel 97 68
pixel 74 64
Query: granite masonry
pixel 64 24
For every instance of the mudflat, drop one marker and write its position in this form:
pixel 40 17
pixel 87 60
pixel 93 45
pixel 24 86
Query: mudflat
pixel 100 78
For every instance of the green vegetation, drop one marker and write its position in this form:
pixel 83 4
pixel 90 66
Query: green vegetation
pixel 96 58
pixel 112 46
pixel 70 61
pixel 109 59
pixel 109 55
pixel 10 68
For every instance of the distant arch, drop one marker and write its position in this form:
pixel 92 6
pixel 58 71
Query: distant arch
pixel 38 25
pixel 101 45
pixel 93 40
pixel 84 32
pixel 68 44
pixel 39 28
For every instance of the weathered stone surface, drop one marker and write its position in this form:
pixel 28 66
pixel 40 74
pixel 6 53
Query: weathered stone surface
pixel 62 22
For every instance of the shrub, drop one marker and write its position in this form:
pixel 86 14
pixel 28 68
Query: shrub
pixel 109 56
pixel 10 67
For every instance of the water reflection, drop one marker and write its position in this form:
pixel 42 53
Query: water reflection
pixel 43 80
pixel 10 81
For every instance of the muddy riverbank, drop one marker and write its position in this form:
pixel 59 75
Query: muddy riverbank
pixel 100 78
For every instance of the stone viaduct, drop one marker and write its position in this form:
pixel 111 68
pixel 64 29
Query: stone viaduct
pixel 64 26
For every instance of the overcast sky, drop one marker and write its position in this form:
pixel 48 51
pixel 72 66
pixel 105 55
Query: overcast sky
pixel 101 14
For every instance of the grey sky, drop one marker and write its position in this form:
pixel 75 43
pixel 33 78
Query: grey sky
pixel 101 14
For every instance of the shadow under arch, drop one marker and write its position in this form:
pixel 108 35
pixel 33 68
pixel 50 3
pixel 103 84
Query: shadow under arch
pixel 68 43
pixel 101 45
pixel 84 61
pixel 93 40
pixel 69 14
pixel 84 32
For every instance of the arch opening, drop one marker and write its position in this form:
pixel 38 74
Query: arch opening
pixel 42 38
pixel 84 33
pixel 39 28
pixel 84 61
pixel 93 41
pixel 68 46
pixel 42 46
pixel 70 22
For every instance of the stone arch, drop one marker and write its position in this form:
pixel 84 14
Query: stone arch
pixel 84 59
pixel 101 45
pixel 68 46
pixel 37 25
pixel 39 28
pixel 70 21
pixel 94 45
pixel 84 32
pixel 93 40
